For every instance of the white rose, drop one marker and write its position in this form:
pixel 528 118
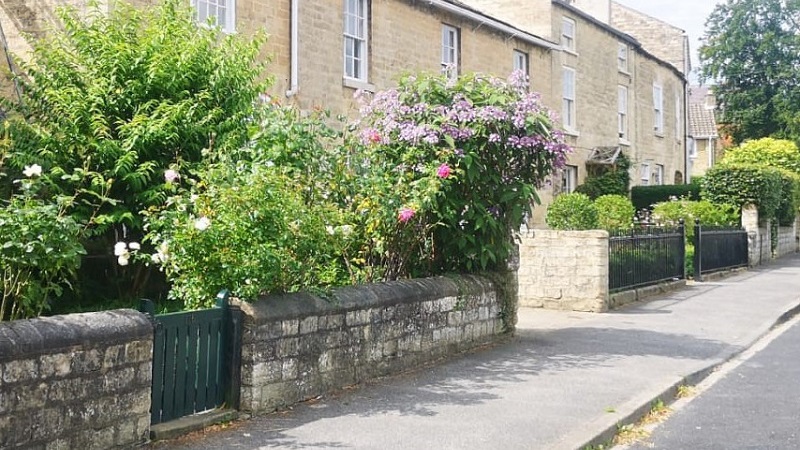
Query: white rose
pixel 134 246
pixel 202 223
pixel 122 260
pixel 32 171
pixel 120 248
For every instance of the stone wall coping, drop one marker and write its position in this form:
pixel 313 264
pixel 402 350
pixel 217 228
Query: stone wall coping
pixel 350 298
pixel 47 335
pixel 596 234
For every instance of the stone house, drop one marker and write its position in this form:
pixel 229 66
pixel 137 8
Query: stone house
pixel 705 147
pixel 611 91
pixel 617 94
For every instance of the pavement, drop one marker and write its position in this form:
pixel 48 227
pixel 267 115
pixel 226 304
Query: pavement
pixel 565 380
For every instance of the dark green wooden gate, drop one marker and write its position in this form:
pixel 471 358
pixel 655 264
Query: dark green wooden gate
pixel 196 360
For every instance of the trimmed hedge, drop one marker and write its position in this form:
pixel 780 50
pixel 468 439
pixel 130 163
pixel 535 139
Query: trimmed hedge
pixel 614 212
pixel 574 211
pixel 644 197
pixel 741 184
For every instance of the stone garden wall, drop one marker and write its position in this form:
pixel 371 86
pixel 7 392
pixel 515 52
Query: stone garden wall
pixel 565 270
pixel 80 381
pixel 299 346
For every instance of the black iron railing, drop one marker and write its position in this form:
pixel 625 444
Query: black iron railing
pixel 645 255
pixel 718 248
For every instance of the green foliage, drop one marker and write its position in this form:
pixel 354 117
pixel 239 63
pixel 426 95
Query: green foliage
pixel 614 212
pixel 771 152
pixel 120 105
pixel 752 51
pixel 644 197
pixel 443 171
pixel 247 228
pixel 574 211
pixel 670 213
pixel 741 184
pixel 608 180
pixel 790 197
pixel 40 251
pixel 116 97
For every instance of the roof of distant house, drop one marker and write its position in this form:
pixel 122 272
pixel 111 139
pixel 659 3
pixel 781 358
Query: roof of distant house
pixel 702 121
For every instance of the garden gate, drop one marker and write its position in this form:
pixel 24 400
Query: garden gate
pixel 196 360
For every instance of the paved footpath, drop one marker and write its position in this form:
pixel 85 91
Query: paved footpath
pixel 563 381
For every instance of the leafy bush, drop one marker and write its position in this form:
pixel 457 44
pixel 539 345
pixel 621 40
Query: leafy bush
pixel 432 179
pixel 608 180
pixel 119 95
pixel 247 229
pixel 456 162
pixel 741 184
pixel 574 211
pixel 670 213
pixel 40 251
pixel 778 153
pixel 614 212
pixel 644 197
pixel 790 197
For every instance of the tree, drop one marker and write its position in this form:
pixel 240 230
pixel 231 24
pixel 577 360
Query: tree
pixel 751 49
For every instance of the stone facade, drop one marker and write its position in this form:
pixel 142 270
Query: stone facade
pixel 657 156
pixel 667 42
pixel 80 381
pixel 297 347
pixel 565 270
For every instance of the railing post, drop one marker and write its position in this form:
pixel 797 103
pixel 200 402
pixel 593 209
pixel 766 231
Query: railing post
pixel 698 250
pixel 682 251
pixel 232 348
pixel 148 307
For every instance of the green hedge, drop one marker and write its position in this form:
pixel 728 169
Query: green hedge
pixel 644 197
pixel 574 211
pixel 741 184
pixel 790 197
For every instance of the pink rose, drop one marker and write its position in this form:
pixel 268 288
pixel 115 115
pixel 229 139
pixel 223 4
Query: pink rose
pixel 443 171
pixel 405 215
pixel 171 175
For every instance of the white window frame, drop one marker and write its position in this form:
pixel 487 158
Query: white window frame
pixel 356 40
pixel 568 94
pixel 568 32
pixel 622 111
pixel 622 57
pixel 202 11
pixel 645 174
pixel 521 62
pixel 569 179
pixel 692 145
pixel 658 109
pixel 451 39
pixel 658 175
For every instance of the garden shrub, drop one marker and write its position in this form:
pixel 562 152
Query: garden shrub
pixel 742 184
pixel 644 197
pixel 790 198
pixel 433 178
pixel 40 252
pixel 670 213
pixel 451 165
pixel 607 180
pixel 247 229
pixel 778 153
pixel 573 211
pixel 614 212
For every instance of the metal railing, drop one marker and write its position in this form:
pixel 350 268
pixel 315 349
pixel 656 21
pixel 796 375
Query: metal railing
pixel 645 255
pixel 718 248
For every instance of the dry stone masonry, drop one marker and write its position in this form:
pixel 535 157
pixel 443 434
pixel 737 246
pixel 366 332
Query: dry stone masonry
pixel 298 346
pixel 80 381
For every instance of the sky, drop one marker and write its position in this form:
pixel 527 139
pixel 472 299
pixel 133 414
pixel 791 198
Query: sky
pixel 690 15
